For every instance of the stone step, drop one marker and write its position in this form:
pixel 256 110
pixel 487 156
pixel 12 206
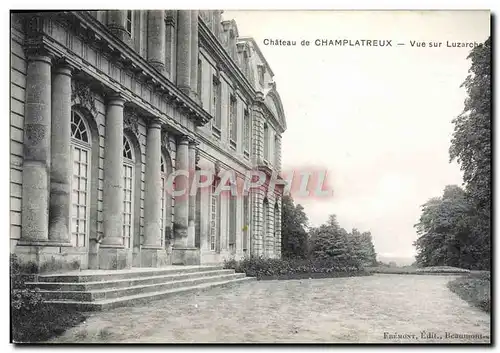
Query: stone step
pixel 100 275
pixel 112 293
pixel 143 298
pixel 122 283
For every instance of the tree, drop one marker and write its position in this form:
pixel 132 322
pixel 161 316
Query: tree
pixel 471 146
pixel 294 237
pixel 444 231
pixel 330 242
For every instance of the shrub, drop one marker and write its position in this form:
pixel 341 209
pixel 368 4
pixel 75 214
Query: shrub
pixel 278 268
pixel 442 269
pixel 31 319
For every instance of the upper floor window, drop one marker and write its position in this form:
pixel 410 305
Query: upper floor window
pixel 276 150
pixel 246 134
pixel 266 142
pixel 262 70
pixel 233 125
pixel 200 73
pixel 129 22
pixel 215 109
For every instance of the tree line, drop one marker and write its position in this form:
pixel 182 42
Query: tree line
pixel 327 242
pixel 455 228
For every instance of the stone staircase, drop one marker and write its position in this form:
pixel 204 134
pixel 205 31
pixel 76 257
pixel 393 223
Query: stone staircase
pixel 92 290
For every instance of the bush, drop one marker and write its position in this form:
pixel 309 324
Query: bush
pixel 31 319
pixel 442 269
pixel 289 268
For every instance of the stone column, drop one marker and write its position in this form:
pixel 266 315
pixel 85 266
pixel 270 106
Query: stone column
pixel 109 255
pixel 192 198
pixel 181 210
pixel 61 166
pixel 194 54
pixel 183 252
pixel 116 23
pixel 170 57
pixel 217 21
pixel 184 51
pixel 156 39
pixel 36 161
pixel 151 253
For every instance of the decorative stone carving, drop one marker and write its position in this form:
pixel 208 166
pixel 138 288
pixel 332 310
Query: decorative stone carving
pixel 165 141
pixel 217 167
pixel 131 121
pixel 197 157
pixel 81 94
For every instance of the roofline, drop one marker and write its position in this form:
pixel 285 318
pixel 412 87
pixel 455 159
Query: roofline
pixel 263 58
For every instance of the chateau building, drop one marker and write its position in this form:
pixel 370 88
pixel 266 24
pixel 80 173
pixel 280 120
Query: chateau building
pixel 106 105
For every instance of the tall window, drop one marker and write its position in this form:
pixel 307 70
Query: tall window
pixel 245 222
pixel 129 23
pixel 200 80
pixel 128 182
pixel 266 142
pixel 214 217
pixel 80 154
pixel 246 134
pixel 216 124
pixel 163 217
pixel 232 222
pixel 276 150
pixel 265 224
pixel 277 225
pixel 233 125
pixel 262 71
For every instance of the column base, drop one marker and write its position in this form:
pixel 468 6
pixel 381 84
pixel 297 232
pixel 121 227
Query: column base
pixel 185 256
pixel 51 257
pixel 191 234
pixel 155 258
pixel 114 258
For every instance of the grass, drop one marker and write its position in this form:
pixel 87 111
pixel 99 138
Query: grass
pixel 474 289
pixel 46 322
pixel 410 270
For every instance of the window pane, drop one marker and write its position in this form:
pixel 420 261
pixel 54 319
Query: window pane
pixel 83 184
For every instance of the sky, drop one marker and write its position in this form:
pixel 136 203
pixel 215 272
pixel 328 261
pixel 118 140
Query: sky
pixel 378 119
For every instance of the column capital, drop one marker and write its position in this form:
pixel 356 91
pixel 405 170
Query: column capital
pixel 40 56
pixel 154 123
pixel 183 140
pixel 63 67
pixel 115 99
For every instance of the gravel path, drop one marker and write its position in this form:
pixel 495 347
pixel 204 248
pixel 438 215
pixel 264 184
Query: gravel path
pixel 339 310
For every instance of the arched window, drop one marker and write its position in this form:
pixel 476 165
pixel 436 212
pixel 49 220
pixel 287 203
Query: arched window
pixel 128 182
pixel 266 142
pixel 80 156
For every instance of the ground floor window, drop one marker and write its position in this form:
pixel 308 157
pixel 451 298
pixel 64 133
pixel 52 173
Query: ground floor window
pixel 79 198
pixel 80 156
pixel 214 215
pixel 128 182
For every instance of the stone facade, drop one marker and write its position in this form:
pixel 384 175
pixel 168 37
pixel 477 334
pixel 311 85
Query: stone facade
pixel 106 105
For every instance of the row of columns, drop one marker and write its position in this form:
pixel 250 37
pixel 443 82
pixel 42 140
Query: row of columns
pixel 187 43
pixel 47 168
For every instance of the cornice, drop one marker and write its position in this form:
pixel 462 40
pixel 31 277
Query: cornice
pixel 122 53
